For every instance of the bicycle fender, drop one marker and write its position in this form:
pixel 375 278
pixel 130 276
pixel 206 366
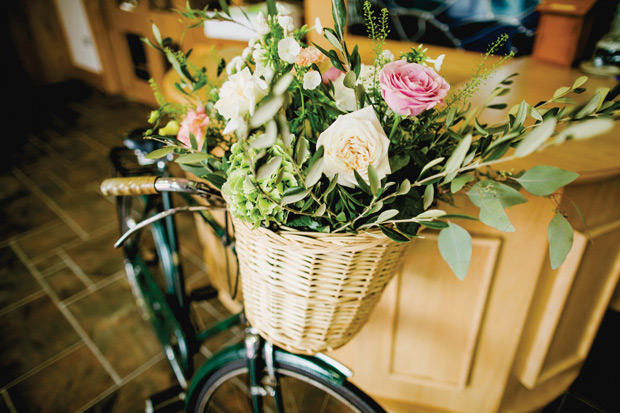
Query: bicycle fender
pixel 321 365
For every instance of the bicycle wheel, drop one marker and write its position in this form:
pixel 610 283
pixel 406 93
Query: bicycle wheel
pixel 228 390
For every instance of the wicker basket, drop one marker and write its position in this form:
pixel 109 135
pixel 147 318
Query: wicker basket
pixel 309 292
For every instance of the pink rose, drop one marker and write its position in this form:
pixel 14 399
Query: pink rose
pixel 195 122
pixel 410 89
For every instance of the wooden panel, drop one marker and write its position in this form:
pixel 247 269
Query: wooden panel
pixel 426 286
pixel 547 306
pixel 586 305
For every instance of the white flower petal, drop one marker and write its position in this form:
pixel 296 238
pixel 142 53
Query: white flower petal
pixel 288 49
pixel 312 80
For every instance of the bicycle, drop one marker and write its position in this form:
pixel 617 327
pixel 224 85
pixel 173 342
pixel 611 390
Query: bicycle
pixel 253 375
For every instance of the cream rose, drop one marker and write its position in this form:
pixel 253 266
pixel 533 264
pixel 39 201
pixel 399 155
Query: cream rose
pixel 353 142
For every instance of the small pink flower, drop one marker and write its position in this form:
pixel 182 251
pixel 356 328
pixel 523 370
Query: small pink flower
pixel 331 74
pixel 195 122
pixel 410 89
pixel 309 55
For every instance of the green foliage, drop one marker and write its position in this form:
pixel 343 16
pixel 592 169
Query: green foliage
pixel 271 169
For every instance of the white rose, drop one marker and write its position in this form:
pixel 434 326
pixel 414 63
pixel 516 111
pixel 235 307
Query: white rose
pixel 239 96
pixel 312 79
pixel 353 142
pixel 288 49
pixel 260 24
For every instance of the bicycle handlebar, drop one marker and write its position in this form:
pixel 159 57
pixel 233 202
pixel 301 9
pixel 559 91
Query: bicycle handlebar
pixel 148 185
pixel 139 185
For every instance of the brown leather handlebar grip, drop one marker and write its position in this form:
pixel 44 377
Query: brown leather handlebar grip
pixel 139 185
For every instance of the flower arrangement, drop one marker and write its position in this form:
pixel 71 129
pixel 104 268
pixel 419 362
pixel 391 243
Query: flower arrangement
pixel 299 136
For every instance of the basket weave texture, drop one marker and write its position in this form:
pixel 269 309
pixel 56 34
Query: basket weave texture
pixel 309 292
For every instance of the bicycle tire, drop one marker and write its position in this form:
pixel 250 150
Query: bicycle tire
pixel 226 390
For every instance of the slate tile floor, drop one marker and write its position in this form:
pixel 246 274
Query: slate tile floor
pixel 71 337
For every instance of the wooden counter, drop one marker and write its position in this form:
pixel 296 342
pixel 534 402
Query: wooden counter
pixel 513 335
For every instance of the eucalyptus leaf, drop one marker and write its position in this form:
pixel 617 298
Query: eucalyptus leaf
pixel 483 191
pixel 544 180
pixel 535 138
pixel 560 235
pixel 455 246
pixel 492 213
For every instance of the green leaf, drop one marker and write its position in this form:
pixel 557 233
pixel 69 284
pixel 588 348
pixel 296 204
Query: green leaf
pixel 535 113
pixel 535 138
pixel 192 158
pixel 580 81
pixel 272 10
pixel 455 246
pixel 585 129
pixel 492 213
pixel 497 106
pixel 434 224
pixel 290 199
pixel 393 234
pixel 373 179
pixel 593 104
pixel 459 182
pixel 404 187
pixel 361 182
pixel 225 8
pixel 269 168
pixel 431 213
pixel 266 111
pixel 329 35
pixel 314 173
pixel 520 116
pixel 161 152
pixel 450 116
pixel 456 159
pixel 561 91
pixel 430 165
pixel 429 195
pixel 320 210
pixel 483 191
pixel 543 180
pixel 560 235
pixel 385 215
pixel 156 34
